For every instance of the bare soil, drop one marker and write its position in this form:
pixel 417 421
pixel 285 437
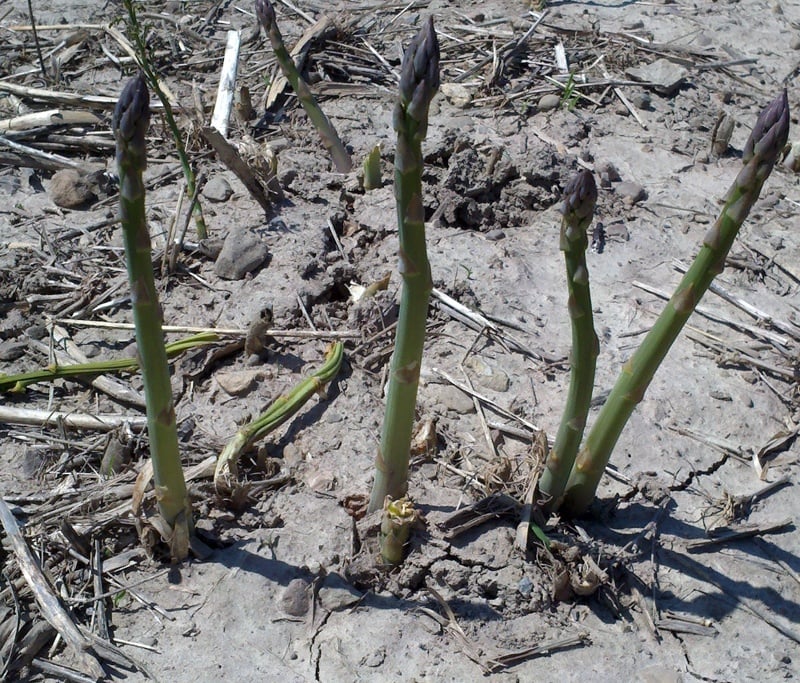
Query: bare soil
pixel 288 589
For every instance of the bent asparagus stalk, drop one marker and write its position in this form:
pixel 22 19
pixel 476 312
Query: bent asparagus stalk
pixel 278 412
pixel 419 81
pixel 330 138
pixel 763 147
pixel 580 198
pixel 131 118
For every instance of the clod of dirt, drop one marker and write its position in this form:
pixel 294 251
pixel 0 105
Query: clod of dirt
pixel 295 599
pixel 456 94
pixel 217 189
pixel 630 192
pixel 335 593
pixel 487 376
pixel 70 189
pixel 548 102
pixel 242 252
pixel 238 382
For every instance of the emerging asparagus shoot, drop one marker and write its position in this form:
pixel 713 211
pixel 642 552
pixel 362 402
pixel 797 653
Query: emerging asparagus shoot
pixel 419 81
pixel 131 118
pixel 330 138
pixel 764 146
pixel 580 197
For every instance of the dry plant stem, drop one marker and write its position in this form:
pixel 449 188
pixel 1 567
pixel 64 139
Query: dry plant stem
pixel 330 138
pixel 281 410
pixel 419 82
pixel 144 64
pixel 580 198
pixel 763 147
pixel 131 118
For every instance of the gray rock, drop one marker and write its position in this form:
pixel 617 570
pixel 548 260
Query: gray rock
pixel 295 599
pixel 548 102
pixel 242 252
pixel 450 398
pixel 335 593
pixel 11 350
pixel 237 382
pixel 495 235
pixel 217 189
pixel 630 192
pixel 664 76
pixel 487 376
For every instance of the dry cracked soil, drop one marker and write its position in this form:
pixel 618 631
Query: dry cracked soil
pixel 656 98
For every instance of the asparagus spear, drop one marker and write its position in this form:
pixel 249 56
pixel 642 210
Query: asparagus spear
pixel 419 81
pixel 580 197
pixel 763 147
pixel 281 410
pixel 131 118
pixel 330 138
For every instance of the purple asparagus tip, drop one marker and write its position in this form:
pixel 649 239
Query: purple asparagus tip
pixel 265 13
pixel 580 197
pixel 770 133
pixel 132 113
pixel 419 78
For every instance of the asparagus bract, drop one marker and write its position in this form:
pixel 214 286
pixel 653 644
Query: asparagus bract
pixel 580 197
pixel 330 138
pixel 131 118
pixel 419 81
pixel 765 144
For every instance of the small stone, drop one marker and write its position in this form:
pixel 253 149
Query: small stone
pixel 630 192
pixel 70 190
pixel 495 235
pixel 295 599
pixel 618 232
pixel 237 382
pixel 548 102
pixel 663 75
pixel 242 252
pixel 453 399
pixel 525 587
pixel 11 350
pixel 335 593
pixel 217 189
pixel 456 94
pixel 795 43
pixel 642 99
pixel 487 376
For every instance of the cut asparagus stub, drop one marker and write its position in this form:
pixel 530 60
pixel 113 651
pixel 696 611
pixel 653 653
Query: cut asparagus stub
pixel 419 81
pixel 577 209
pixel 130 121
pixel 763 148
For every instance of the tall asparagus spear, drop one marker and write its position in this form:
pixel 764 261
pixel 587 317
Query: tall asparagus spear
pixel 131 118
pixel 764 145
pixel 419 81
pixel 580 197
pixel 330 138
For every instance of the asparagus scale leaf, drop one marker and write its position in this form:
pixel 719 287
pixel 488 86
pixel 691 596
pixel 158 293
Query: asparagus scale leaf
pixel 419 81
pixel 763 147
pixel 130 122
pixel 580 198
pixel 330 138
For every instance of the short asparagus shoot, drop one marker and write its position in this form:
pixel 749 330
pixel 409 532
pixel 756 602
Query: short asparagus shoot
pixel 330 138
pixel 419 81
pixel 763 148
pixel 130 122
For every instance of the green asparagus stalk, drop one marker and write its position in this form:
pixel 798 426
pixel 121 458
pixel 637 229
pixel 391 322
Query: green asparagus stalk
pixel 278 412
pixel 330 138
pixel 419 81
pixel 580 197
pixel 765 144
pixel 143 61
pixel 131 118
pixel 372 169
pixel 18 383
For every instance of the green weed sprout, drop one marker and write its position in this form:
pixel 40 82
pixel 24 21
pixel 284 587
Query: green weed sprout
pixel 764 146
pixel 577 210
pixel 419 81
pixel 143 60
pixel 330 138
pixel 130 122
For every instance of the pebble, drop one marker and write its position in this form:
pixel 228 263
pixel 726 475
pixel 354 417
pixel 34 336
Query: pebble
pixel 335 593
pixel 456 94
pixel 295 599
pixel 665 76
pixel 70 190
pixel 495 235
pixel 642 99
pixel 11 350
pixel 548 102
pixel 487 376
pixel 630 192
pixel 795 43
pixel 452 398
pixel 242 252
pixel 237 382
pixel 217 189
